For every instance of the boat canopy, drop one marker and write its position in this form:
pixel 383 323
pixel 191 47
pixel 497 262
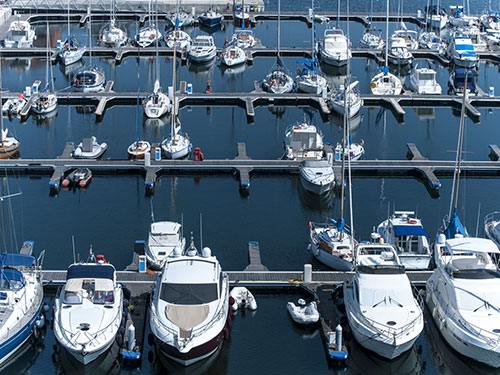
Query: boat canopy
pixel 16 260
pixel 90 271
pixel 409 230
pixel 472 245
pixel 11 279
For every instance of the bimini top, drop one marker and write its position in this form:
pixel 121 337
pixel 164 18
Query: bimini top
pixel 409 230
pixel 165 227
pixel 472 245
pixel 91 271
pixel 16 260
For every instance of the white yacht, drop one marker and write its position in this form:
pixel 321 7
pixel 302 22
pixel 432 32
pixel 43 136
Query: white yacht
pixel 335 48
pixel 353 100
pixel 423 81
pixel 457 17
pixel 164 237
pixel 90 80
pixel 20 35
pixel 157 104
pixel 89 148
pixel 70 51
pixel 372 39
pixel 190 315
pixel 398 53
pixel 179 38
pixel 490 21
pixel 21 298
pixel 492 227
pixel 311 81
pixel 317 176
pixel 406 233
pixel 244 38
pixel 303 141
pixel 233 55
pixel 202 49
pixel 88 310
pixel 148 35
pixel 113 36
pixel 462 296
pixel 410 37
pixel 429 40
pixel 181 18
pixel 463 53
pixel 332 245
pixel 382 312
pixel 138 149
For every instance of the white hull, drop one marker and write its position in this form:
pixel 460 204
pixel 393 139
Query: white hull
pixel 311 86
pixel 352 110
pixel 71 57
pixel 330 260
pixel 89 357
pixel 334 60
pixel 314 188
pixel 200 58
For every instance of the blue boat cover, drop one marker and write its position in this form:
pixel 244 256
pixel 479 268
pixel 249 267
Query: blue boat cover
pixel 90 271
pixel 455 226
pixel 465 47
pixel 409 230
pixel 11 278
pixel 16 260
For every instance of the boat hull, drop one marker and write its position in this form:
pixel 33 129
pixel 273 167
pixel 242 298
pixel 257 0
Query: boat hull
pixel 318 189
pixel 68 58
pixel 330 260
pixel 333 61
pixel 87 358
pixel 210 21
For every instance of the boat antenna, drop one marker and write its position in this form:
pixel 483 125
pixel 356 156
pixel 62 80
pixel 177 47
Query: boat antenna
pixel 182 225
pixel 152 211
pixel 477 222
pixel 201 231
pixel 458 160
pixel 73 246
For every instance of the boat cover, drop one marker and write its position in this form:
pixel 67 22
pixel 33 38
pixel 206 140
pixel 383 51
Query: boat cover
pixel 16 260
pixel 11 279
pixel 90 271
pixel 409 230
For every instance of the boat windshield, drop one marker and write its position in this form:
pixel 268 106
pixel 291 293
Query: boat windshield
pixel 476 301
pixel 189 294
pixel 478 273
pixel 382 269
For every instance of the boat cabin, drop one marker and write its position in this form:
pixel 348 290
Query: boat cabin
pixel 93 282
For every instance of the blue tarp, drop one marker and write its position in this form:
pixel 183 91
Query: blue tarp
pixel 16 260
pixel 90 271
pixel 409 230
pixel 455 226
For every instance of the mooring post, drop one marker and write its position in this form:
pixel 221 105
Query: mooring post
pixel 307 273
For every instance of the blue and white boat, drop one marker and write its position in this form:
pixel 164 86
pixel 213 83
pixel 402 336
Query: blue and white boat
pixel 463 52
pixel 21 298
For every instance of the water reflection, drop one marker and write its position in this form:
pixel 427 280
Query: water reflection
pixel 107 363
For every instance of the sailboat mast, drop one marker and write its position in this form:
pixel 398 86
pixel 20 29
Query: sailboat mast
pixel 338 14
pixel 90 33
pixel 279 27
pixel 47 56
pixel 312 31
pixel 157 65
pixel 387 34
pixel 351 218
pixel 68 22
pixel 1 102
pixel 173 116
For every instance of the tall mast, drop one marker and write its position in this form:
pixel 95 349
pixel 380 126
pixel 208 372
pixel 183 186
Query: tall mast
pixel 279 27
pixel 68 22
pixel 157 65
pixel 47 56
pixel 348 126
pixel 1 103
pixel 173 116
pixel 90 33
pixel 312 31
pixel 387 34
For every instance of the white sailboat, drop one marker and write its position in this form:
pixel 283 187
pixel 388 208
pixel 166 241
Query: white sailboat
pixel 149 34
pixel 278 81
pixel 88 310
pixel 70 50
pixel 45 101
pixel 382 312
pixel 371 37
pixel 9 146
pixel 112 35
pixel 349 93
pixel 139 148
pixel 177 145
pixel 232 56
pixel 386 83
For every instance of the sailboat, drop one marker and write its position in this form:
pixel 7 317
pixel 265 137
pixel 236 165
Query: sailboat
pixel 177 145
pixel 333 243
pixel 139 147
pixel 46 101
pixel 371 37
pixel 278 82
pixel 112 35
pixel 70 50
pixel 92 79
pixel 309 80
pixel 157 104
pixel 462 293
pixel 178 38
pixel 386 83
pixel 243 37
pixel 149 34
pixel 9 146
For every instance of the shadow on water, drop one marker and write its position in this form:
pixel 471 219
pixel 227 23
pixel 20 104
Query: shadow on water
pixel 317 202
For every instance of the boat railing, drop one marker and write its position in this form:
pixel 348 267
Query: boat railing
pixel 392 331
pixel 93 337
pixel 491 337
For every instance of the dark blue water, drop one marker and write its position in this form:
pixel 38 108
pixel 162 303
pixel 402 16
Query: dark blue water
pixel 114 212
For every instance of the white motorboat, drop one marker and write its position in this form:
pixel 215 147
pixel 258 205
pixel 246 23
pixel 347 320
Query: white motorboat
pixel 302 313
pixel 181 18
pixel 243 38
pixel 382 312
pixel 354 151
pixel 243 299
pixel 211 18
pixel 335 48
pixel 410 37
pixel 463 52
pixel 43 102
pixel 317 176
pixel 202 49
pixel 138 149
pixel 332 245
pixel 233 56
pixel 157 104
pixel 278 82
pixel 90 80
pixel 492 227
pixel 303 141
pixel 179 38
pixel 398 53
pixel 490 21
pixel 148 35
pixel 164 237
pixel 349 96
pixel 190 316
pixel 372 39
pixel 89 148
pixel 113 36
pixel 21 299
pixel 462 296
pixel 12 107
pixel 406 233
pixel 88 310
pixel 423 81
pixel 429 40
pixel 20 35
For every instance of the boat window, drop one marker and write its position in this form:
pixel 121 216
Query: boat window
pixel 381 269
pixel 408 244
pixel 479 273
pixel 72 298
pixel 104 297
pixel 426 76
pixel 189 294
